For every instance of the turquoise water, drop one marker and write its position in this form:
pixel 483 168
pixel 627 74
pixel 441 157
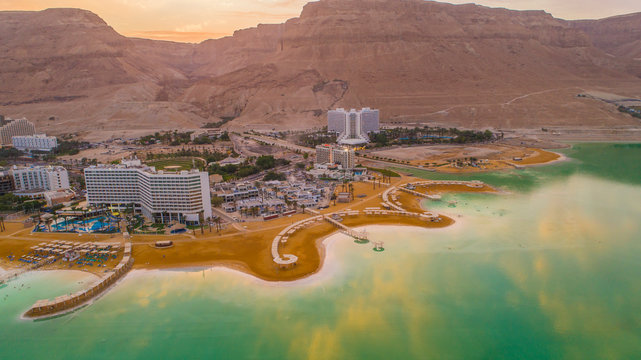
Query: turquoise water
pixel 549 271
pixel 88 225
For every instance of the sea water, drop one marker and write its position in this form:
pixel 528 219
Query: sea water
pixel 550 269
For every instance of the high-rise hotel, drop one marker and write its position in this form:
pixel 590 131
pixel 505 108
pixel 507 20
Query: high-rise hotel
pixel 160 196
pixel 353 126
pixel 10 128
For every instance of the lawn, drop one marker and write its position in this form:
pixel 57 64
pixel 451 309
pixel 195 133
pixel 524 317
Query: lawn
pixel 182 163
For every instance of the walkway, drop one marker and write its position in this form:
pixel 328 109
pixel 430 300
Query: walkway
pixel 288 260
pixel 358 235
pixel 416 193
pixel 67 303
pixel 391 200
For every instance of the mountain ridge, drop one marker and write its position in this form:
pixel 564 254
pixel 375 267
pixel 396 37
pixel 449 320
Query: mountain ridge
pixel 417 61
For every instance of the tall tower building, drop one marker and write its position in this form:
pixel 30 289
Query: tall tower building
pixel 353 126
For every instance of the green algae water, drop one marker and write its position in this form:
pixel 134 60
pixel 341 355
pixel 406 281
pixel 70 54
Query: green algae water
pixel 549 270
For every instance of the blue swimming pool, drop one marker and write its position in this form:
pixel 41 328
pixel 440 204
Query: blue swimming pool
pixel 101 224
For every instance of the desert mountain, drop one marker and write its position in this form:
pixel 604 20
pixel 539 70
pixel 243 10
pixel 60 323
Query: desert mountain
pixel 618 35
pixel 418 61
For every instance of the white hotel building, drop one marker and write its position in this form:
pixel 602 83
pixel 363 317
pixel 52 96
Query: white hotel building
pixel 161 197
pixel 39 142
pixel 40 178
pixel 353 126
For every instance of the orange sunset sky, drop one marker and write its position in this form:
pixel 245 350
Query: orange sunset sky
pixel 197 20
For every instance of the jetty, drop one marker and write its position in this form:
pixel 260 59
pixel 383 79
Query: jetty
pixel 286 261
pixel 67 303
pixel 357 235
pixel 419 194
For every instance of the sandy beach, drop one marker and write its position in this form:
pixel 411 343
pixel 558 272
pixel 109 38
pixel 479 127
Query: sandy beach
pixel 246 250
pixel 443 158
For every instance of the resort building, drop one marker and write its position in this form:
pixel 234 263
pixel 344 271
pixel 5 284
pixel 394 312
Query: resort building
pixel 241 191
pixel 344 156
pixel 6 182
pixel 353 126
pixel 10 128
pixel 340 155
pixel 40 178
pixel 324 154
pixel 40 142
pixel 161 197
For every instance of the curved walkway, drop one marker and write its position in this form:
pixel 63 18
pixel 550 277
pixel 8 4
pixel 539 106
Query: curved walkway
pixel 67 303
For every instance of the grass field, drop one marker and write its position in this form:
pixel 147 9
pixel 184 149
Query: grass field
pixel 182 163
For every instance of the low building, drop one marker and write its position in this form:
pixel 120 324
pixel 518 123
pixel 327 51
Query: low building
pixel 241 191
pixel 232 161
pixel 343 197
pixel 215 178
pixel 40 142
pixel 54 198
pixel 214 133
pixel 263 207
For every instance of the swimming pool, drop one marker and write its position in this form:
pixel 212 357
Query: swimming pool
pixel 102 224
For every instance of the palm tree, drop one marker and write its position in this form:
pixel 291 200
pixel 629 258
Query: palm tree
pixel 54 219
pixel 48 223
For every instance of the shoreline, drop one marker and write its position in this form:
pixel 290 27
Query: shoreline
pixel 320 246
pixel 324 245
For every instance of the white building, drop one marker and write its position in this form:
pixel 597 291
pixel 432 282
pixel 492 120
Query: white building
pixel 353 126
pixel 344 156
pixel 39 142
pixel 40 178
pixel 11 128
pixel 370 120
pixel 160 196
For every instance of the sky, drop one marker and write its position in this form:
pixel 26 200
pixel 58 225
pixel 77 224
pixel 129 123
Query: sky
pixel 197 20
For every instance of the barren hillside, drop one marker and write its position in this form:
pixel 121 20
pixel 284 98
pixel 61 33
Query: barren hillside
pixel 417 61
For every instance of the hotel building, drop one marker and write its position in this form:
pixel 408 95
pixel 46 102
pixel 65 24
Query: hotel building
pixel 39 142
pixel 40 178
pixel 353 126
pixel 328 154
pixel 10 128
pixel 161 197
